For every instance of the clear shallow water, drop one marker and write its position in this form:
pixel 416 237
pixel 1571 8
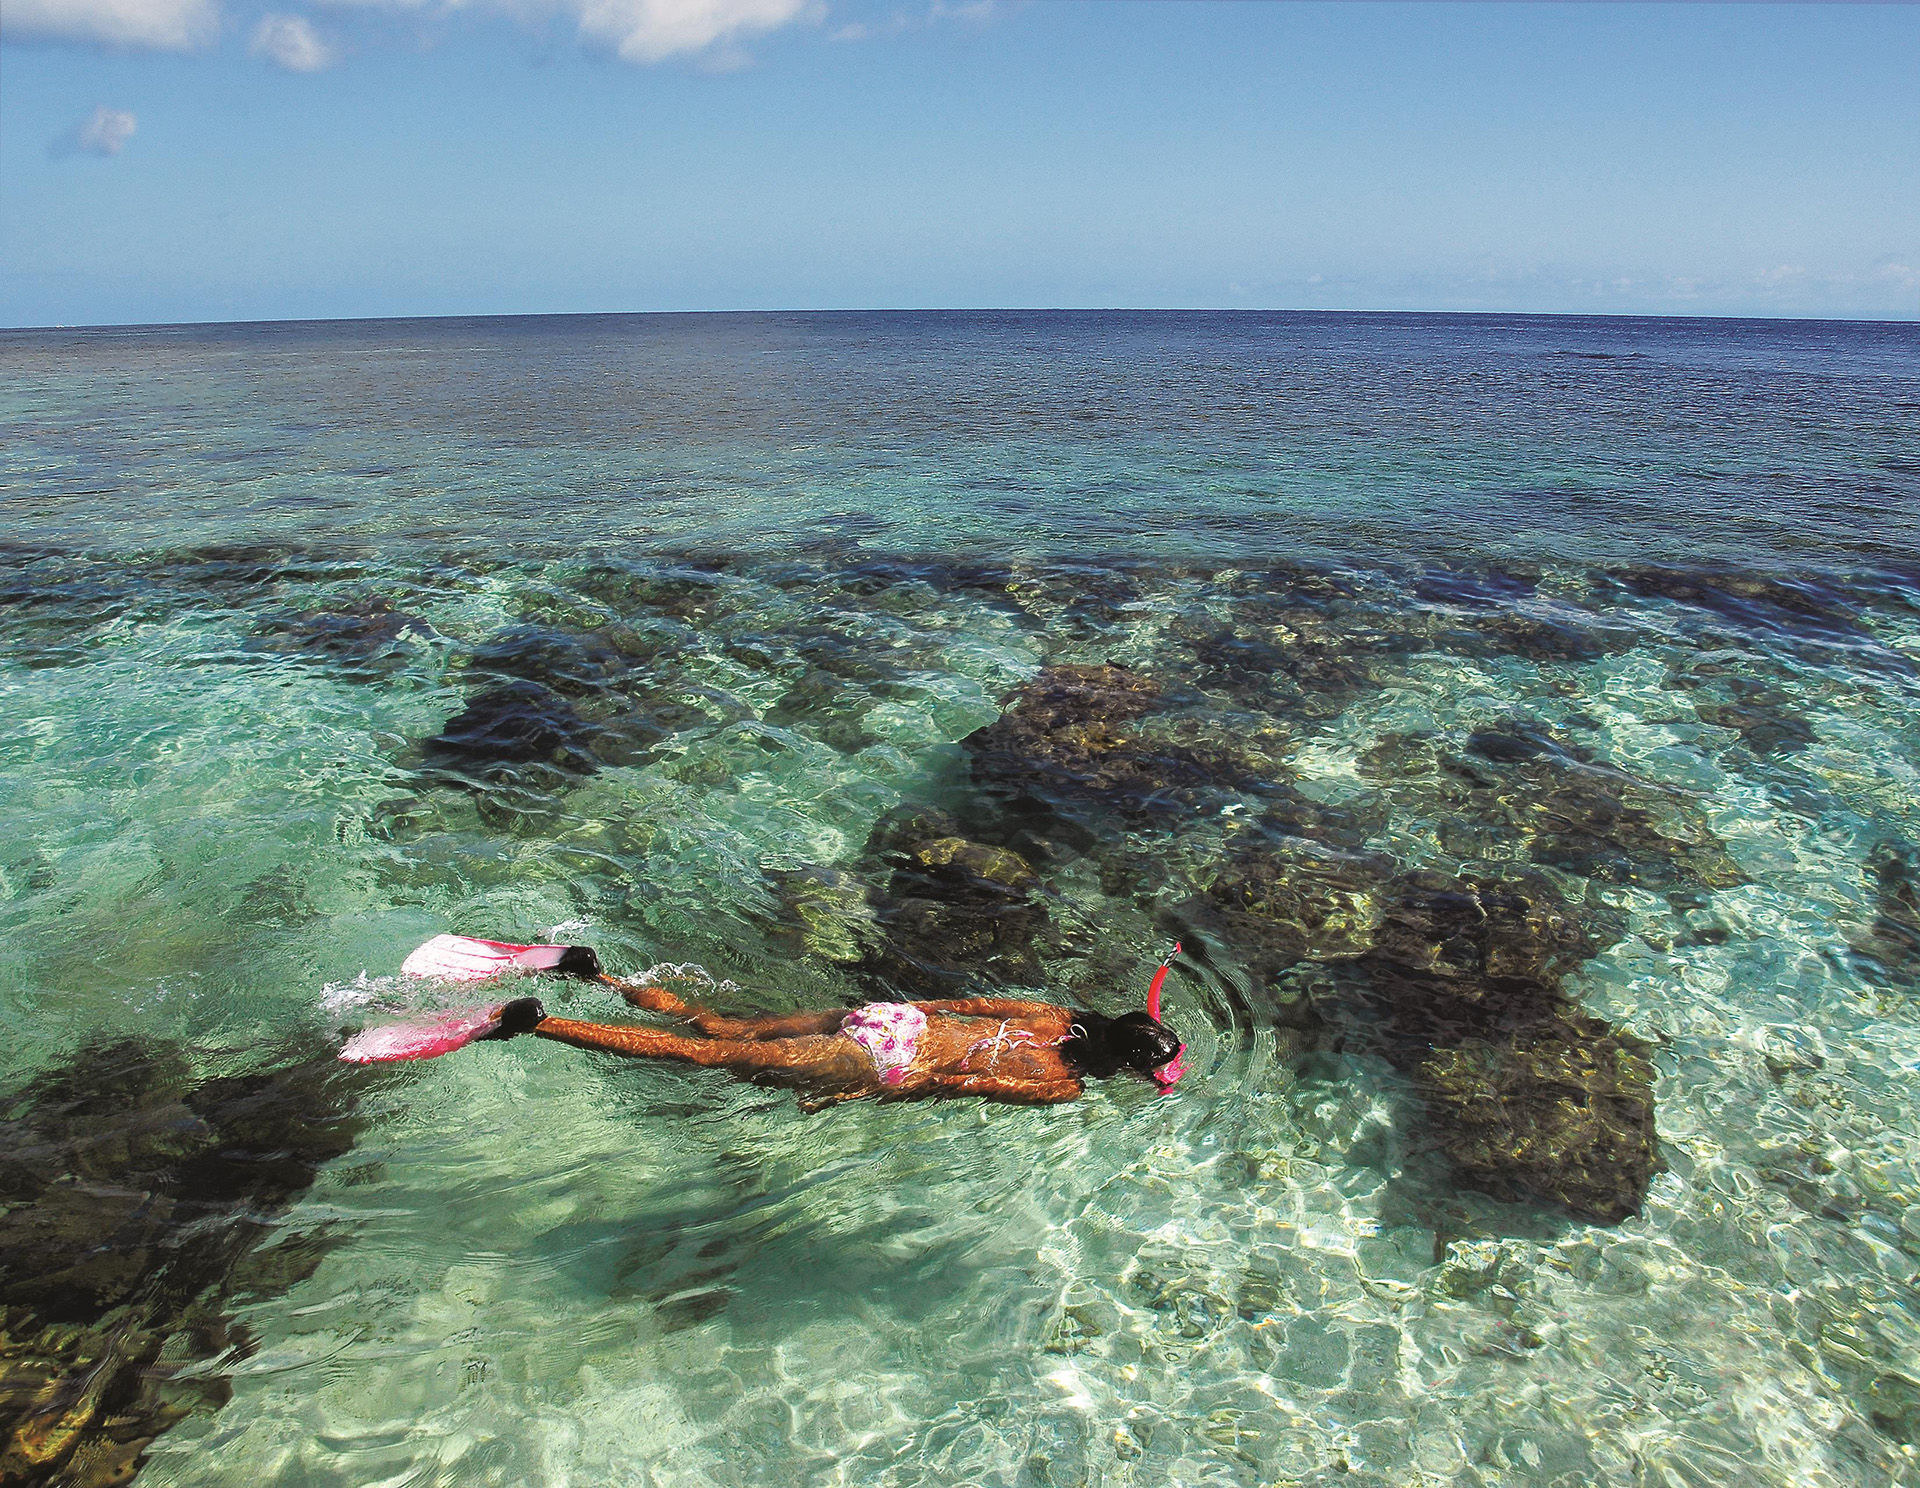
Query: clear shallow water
pixel 1629 606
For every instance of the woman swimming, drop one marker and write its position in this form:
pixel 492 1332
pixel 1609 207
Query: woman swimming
pixel 1032 1053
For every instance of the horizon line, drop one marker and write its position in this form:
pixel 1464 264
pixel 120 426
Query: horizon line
pixel 309 320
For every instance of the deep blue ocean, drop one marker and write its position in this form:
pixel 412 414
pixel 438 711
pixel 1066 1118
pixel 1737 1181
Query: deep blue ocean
pixel 1512 717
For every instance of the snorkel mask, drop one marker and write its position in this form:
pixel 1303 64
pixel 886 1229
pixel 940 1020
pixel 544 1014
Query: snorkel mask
pixel 1174 1068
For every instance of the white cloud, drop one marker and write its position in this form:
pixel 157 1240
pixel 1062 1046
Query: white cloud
pixel 641 31
pixel 902 21
pixel 165 25
pixel 103 132
pixel 290 41
pixel 653 30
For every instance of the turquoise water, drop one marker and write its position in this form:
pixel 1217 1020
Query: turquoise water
pixel 1621 616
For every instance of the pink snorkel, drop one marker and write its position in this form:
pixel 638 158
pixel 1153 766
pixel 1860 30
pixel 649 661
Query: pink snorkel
pixel 1174 1068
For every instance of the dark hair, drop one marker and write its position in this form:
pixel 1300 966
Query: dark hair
pixel 1101 1046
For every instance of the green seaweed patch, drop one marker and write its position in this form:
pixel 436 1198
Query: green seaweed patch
pixel 140 1205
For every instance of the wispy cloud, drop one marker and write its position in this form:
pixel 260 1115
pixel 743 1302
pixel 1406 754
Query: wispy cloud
pixel 642 31
pixel 290 41
pixel 899 22
pixel 161 25
pixel 653 30
pixel 103 132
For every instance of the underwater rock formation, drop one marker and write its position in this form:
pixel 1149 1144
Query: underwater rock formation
pixel 1560 1107
pixel 1284 653
pixel 516 723
pixel 139 1204
pixel 1523 1092
pixel 1767 719
pixel 1521 789
pixel 357 637
pixel 575 665
pixel 1894 938
pixel 54 604
pixel 1296 900
pixel 953 910
pixel 1082 752
pixel 1805 607
pixel 825 912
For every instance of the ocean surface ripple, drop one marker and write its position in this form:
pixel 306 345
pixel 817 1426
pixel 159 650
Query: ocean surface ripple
pixel 1512 717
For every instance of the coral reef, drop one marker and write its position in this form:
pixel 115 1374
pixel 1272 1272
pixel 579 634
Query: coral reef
pixel 140 1203
pixel 952 910
pixel 1524 1094
pixel 364 639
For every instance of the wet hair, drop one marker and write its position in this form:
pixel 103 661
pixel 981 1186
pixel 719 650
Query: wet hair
pixel 1102 1047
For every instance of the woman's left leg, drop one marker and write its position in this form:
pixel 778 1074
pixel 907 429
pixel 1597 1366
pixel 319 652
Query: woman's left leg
pixel 823 1056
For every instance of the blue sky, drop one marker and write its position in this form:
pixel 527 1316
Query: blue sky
pixel 226 159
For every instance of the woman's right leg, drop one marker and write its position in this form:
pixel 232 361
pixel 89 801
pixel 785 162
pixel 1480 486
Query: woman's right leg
pixel 714 1026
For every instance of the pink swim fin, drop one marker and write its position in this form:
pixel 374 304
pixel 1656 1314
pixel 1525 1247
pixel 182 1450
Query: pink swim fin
pixel 442 1033
pixel 425 1039
pixel 460 958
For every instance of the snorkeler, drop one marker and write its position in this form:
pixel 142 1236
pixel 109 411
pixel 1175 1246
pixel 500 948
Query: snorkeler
pixel 1030 1053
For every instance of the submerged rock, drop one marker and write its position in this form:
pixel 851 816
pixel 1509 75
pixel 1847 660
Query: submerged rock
pixel 1894 939
pixel 1084 752
pixel 826 912
pixel 577 665
pixel 139 1207
pixel 1523 1092
pixel 1768 720
pixel 1304 665
pixel 1279 904
pixel 1562 1107
pixel 953 910
pixel 1519 789
pixel 357 637
pixel 516 723
pixel 1804 607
